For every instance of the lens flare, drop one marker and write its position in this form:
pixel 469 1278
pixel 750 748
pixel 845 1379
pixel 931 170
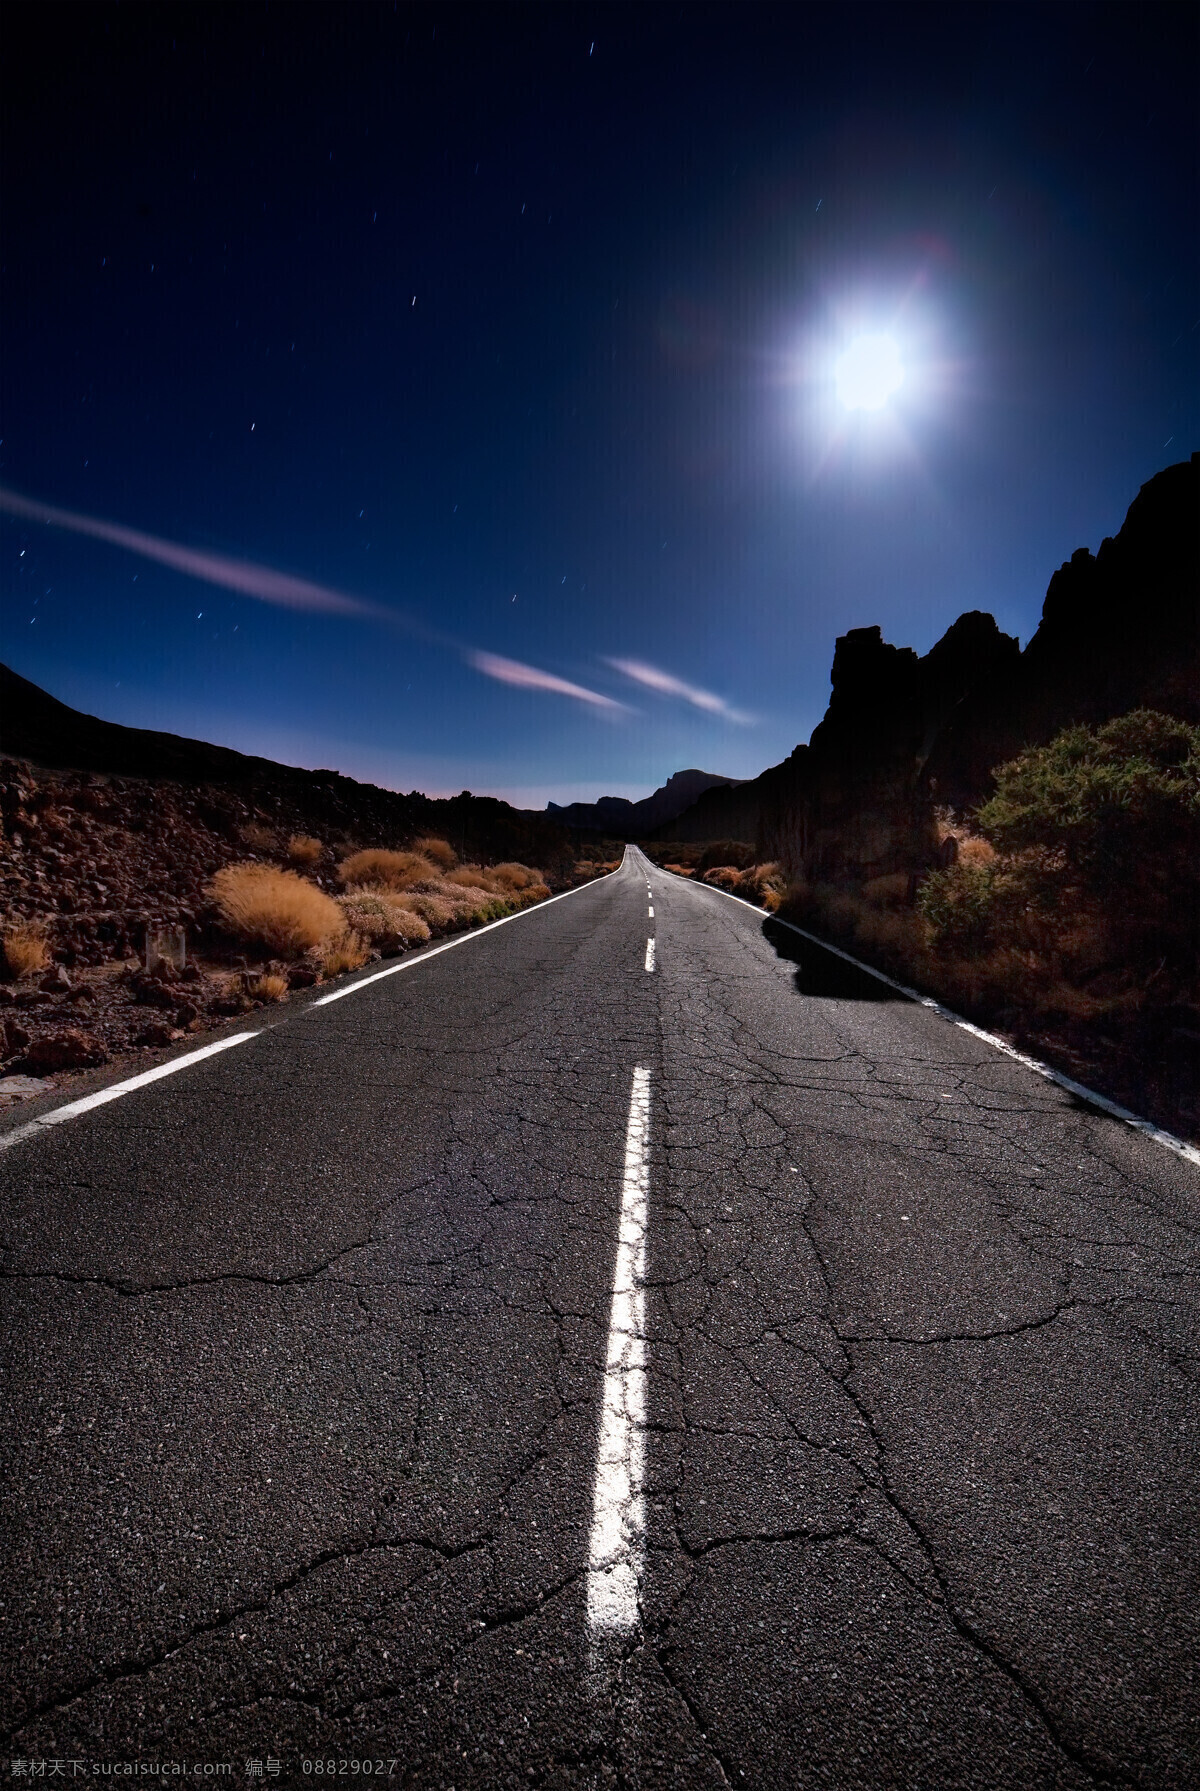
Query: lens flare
pixel 868 372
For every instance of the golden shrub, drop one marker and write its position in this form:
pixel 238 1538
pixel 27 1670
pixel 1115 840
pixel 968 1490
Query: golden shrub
pixel 349 952
pixel 385 919
pixel 274 908
pixel 439 852
pixel 303 849
pixel 437 911
pixel 260 838
pixel 269 987
pixel 375 867
pixel 514 876
pixel 25 949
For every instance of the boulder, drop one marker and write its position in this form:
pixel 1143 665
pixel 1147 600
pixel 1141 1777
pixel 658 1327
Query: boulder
pixel 68 1050
pixel 160 1032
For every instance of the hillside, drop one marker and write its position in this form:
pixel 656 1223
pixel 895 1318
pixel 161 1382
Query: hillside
pixel 36 727
pixel 113 837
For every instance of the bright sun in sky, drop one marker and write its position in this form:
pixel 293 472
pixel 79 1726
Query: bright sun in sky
pixel 868 371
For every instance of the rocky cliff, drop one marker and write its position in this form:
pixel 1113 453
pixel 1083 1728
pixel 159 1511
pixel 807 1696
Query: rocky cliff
pixel 904 734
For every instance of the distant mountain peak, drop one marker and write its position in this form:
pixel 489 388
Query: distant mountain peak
pixel 679 792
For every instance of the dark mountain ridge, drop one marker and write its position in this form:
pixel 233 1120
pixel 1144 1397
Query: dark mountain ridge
pixel 619 817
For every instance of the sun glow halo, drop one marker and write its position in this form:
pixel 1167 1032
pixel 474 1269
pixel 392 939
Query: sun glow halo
pixel 868 372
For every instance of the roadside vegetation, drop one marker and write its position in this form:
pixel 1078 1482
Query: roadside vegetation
pixel 261 889
pixel 1065 911
pixel 728 865
pixel 389 900
pixel 25 949
pixel 262 905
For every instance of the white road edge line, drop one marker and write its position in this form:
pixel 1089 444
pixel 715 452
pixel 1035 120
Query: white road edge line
pixel 1156 1134
pixel 649 954
pixel 476 933
pixel 55 1118
pixel 616 1546
pixel 117 1089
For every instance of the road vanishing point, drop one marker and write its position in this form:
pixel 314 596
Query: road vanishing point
pixel 628 1346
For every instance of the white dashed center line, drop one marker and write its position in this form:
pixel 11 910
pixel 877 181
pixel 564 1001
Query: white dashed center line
pixel 649 954
pixel 652 910
pixel 617 1542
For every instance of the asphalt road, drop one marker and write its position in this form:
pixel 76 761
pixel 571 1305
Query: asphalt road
pixel 328 1438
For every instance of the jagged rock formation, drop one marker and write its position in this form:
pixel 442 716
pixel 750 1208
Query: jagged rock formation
pixel 904 734
pixel 623 819
pixel 1119 631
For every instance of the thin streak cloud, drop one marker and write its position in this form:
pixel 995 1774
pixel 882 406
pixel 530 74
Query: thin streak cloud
pixel 668 685
pixel 263 582
pixel 528 677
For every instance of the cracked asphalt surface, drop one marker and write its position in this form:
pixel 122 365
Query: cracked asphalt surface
pixel 305 1348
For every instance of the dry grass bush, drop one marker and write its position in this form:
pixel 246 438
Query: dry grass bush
pixel 387 920
pixel 274 908
pixel 764 884
pixel 258 837
pixel 232 988
pixel 442 911
pixel 377 868
pixel 972 849
pixel 25 949
pixel 679 870
pixel 897 940
pixel 514 877
pixel 516 883
pixel 761 883
pixel 467 876
pixel 349 952
pixel 438 852
pixel 303 849
pixel 718 853
pixel 890 891
pixel 897 937
pixel 398 898
pixel 268 987
pixel 1013 978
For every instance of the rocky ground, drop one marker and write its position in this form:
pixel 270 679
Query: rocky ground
pixel 100 862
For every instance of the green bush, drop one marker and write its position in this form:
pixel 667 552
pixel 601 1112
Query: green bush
pixel 1119 804
pixel 961 905
pixel 1100 827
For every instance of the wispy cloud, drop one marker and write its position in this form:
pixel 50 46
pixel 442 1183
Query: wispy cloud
pixel 667 684
pixel 528 677
pixel 262 582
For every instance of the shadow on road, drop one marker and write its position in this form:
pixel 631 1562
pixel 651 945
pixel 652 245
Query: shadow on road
pixel 822 972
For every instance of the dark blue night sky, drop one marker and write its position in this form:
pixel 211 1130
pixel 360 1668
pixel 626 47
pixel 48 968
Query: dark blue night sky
pixel 521 329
